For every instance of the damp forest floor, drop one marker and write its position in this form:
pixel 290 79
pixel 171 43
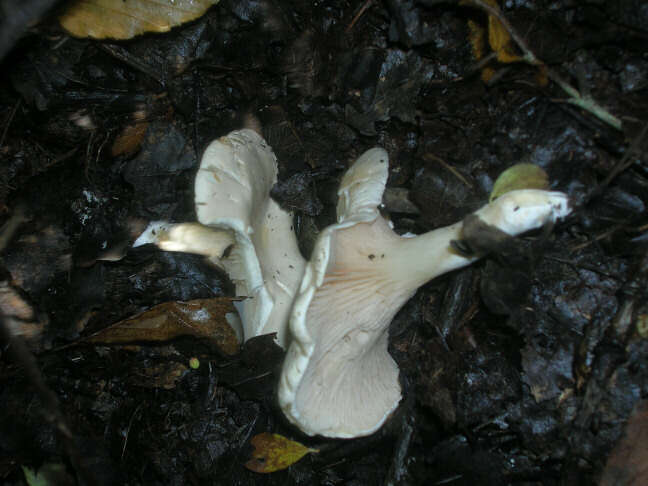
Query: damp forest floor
pixel 525 368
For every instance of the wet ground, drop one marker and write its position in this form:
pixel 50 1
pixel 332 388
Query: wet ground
pixel 522 369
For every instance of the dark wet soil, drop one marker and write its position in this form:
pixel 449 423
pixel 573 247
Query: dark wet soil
pixel 522 369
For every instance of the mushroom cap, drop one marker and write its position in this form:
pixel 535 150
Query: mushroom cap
pixel 232 192
pixel 338 378
pixel 522 210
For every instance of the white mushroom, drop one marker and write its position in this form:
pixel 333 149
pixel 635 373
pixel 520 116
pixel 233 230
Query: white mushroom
pixel 338 379
pixel 186 237
pixel 235 211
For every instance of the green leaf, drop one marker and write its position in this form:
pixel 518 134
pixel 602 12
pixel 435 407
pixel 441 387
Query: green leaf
pixel 47 475
pixel 519 176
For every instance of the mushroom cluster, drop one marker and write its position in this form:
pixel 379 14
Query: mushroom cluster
pixel 338 379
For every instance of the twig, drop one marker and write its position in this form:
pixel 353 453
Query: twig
pixel 628 158
pixel 626 161
pixel 9 229
pixel 50 405
pixel 357 16
pixel 528 57
pixel 576 265
pixel 575 97
pixel 11 117
pixel 600 237
pixel 130 425
pixel 448 167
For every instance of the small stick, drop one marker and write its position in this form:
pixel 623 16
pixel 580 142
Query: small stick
pixel 448 167
pixel 11 117
pixel 357 16
pixel 575 97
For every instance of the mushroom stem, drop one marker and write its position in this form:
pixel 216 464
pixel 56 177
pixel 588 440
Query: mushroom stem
pixel 187 237
pixel 416 260
pixel 434 255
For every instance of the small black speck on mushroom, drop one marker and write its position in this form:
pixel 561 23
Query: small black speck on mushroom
pixel 372 256
pixel 516 208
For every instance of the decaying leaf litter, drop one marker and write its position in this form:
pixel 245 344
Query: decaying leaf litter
pixel 524 368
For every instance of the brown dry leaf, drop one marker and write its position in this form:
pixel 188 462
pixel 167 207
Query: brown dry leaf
pixel 542 76
pixel 129 140
pixel 19 315
pixel 160 375
pixel 628 462
pixel 273 452
pixel 120 19
pixel 519 176
pixel 204 318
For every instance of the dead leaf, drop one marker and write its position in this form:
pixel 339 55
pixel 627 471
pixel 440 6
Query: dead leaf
pixel 519 176
pixel 642 325
pixel 160 375
pixel 205 318
pixel 542 76
pixel 273 452
pixel 20 317
pixel 499 39
pixel 118 19
pixel 628 462
pixel 129 140
pixel 49 474
pixel 477 37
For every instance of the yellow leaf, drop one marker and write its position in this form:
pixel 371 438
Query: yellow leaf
pixel 519 176
pixel 476 36
pixel 500 41
pixel 273 452
pixel 124 19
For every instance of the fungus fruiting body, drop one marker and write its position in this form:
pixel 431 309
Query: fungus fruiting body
pixel 338 378
pixel 235 213
pixel 186 237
